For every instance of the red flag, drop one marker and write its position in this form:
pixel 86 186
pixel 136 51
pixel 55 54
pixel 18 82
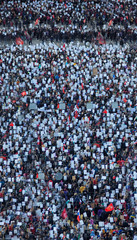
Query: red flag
pixel 37 21
pixel 120 162
pixel 23 93
pixel 105 111
pixel 64 47
pixel 11 124
pixel 82 86
pixel 76 114
pixel 63 90
pixel 58 106
pixel 77 106
pixel 37 175
pixel 19 41
pixel 125 100
pixel 100 39
pixel 97 145
pixel 4 158
pixel 109 208
pixel 110 22
pixel 64 214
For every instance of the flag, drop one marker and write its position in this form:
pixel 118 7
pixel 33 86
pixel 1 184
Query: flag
pixel 76 114
pixel 82 86
pixel 78 216
pixel 97 145
pixel 23 93
pixel 109 208
pixel 105 111
pixel 120 162
pixel 37 176
pixel 11 124
pixel 110 22
pixel 77 106
pixel 100 39
pixel 63 89
pixel 4 158
pixel 64 47
pixel 125 100
pixel 64 214
pixel 37 21
pixel 19 41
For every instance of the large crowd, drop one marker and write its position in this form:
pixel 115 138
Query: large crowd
pixel 69 12
pixel 68 120
pixel 68 141
pixel 68 20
